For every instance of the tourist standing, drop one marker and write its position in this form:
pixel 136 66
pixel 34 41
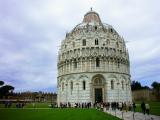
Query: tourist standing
pixel 143 107
pixel 33 105
pixel 120 106
pixel 147 108
pixel 134 106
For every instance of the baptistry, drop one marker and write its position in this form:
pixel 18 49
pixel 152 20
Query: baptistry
pixel 93 64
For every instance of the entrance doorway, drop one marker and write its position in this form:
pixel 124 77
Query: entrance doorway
pixel 98 88
pixel 98 95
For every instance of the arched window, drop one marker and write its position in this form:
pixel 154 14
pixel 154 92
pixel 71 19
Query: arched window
pixel 97 62
pixel 71 85
pixel 75 63
pixel 112 84
pixel 122 85
pixel 84 42
pixel 96 41
pixel 95 27
pixel 111 30
pixel 62 86
pixel 84 85
pixel 98 81
pixel 117 44
pixel 107 42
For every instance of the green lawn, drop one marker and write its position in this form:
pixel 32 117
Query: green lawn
pixel 154 107
pixel 54 114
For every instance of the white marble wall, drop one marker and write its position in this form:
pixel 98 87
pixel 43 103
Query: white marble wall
pixel 114 64
pixel 79 95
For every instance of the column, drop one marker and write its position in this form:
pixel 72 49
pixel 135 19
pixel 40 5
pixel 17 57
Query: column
pixel 90 64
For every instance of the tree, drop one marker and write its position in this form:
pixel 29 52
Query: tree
pixel 156 89
pixel 145 87
pixel 136 85
pixel 6 90
pixel 156 85
pixel 1 83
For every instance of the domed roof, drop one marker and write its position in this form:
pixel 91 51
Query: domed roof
pixel 91 16
pixel 91 19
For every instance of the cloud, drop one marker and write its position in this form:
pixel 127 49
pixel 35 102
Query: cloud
pixel 31 32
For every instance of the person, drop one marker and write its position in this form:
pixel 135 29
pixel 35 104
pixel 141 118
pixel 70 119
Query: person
pixel 33 104
pixel 147 108
pixel 125 106
pixel 134 106
pixel 120 106
pixel 143 107
pixel 101 105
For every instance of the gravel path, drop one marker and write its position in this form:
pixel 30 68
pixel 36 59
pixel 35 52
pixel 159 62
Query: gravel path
pixel 130 116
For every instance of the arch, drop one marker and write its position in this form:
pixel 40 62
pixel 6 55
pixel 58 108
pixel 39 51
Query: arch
pixel 96 41
pixel 84 85
pixel 98 88
pixel 96 77
pixel 83 76
pixel 112 84
pixel 83 81
pixel 71 85
pixel 97 62
pixel 75 63
pixel 123 77
pixel 61 80
pixel 124 82
pixel 70 77
pixel 107 41
pixel 95 27
pixel 111 30
pixel 117 44
pixel 112 76
pixel 84 42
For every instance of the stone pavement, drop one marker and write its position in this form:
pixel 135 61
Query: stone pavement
pixel 130 116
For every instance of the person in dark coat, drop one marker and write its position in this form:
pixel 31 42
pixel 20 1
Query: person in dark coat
pixel 143 107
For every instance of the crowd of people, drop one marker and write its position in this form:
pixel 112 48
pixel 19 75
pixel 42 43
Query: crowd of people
pixel 101 105
pixel 125 106
pixel 122 106
pixel 20 105
pixel 8 104
pixel 76 105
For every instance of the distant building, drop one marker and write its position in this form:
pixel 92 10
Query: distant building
pixel 93 64
pixel 34 96
pixel 144 95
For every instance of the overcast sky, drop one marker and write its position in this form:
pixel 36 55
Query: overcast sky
pixel 32 30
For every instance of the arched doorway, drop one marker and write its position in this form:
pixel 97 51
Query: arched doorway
pixel 98 89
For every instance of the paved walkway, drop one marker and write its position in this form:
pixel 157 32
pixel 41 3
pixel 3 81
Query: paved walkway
pixel 129 115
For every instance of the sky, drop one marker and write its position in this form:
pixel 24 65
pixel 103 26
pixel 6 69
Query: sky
pixel 31 32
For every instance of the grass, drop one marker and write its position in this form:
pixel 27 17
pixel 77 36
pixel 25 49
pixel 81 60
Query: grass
pixel 60 114
pixel 154 107
pixel 54 114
